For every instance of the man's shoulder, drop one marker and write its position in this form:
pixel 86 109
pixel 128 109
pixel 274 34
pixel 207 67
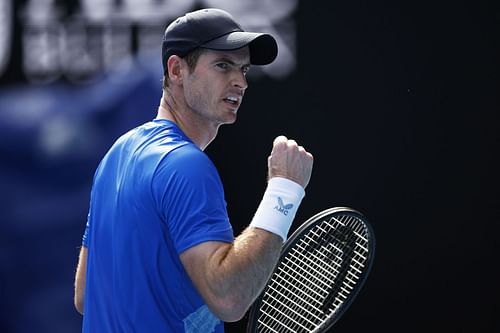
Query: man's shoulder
pixel 189 155
pixel 153 137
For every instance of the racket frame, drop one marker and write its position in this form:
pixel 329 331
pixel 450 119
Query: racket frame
pixel 292 240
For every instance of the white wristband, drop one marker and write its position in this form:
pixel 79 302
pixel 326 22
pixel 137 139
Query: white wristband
pixel 278 206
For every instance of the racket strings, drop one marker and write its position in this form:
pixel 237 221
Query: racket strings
pixel 316 276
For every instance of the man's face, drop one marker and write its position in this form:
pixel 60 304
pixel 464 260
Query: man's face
pixel 214 90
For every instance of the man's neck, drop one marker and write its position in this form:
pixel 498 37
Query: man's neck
pixel 199 132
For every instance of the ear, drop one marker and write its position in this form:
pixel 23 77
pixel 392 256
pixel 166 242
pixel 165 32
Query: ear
pixel 174 66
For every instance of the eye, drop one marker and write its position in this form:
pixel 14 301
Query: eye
pixel 222 65
pixel 245 69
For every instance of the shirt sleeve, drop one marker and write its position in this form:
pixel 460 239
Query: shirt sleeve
pixel 85 238
pixel 191 199
pixel 86 233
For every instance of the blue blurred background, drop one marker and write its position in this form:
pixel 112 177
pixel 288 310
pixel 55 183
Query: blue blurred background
pixel 398 102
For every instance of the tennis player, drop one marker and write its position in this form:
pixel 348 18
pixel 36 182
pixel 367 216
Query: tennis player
pixel 158 250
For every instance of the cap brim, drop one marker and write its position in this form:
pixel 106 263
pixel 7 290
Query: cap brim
pixel 263 47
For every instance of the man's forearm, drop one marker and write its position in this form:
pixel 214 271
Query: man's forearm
pixel 246 267
pixel 230 276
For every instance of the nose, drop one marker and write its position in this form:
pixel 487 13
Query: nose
pixel 240 80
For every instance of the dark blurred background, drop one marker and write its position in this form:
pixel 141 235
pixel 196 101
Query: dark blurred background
pixel 398 102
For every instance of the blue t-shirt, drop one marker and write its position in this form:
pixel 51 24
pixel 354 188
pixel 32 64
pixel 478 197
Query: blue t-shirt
pixel 155 194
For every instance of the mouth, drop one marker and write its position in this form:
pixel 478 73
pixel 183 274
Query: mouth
pixel 234 101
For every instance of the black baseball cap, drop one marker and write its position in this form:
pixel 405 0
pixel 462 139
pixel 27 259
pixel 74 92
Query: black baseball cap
pixel 215 29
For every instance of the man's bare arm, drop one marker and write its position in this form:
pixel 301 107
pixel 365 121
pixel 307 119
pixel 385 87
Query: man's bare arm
pixel 80 277
pixel 229 277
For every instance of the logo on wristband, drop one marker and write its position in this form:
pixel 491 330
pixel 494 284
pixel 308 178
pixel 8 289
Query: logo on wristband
pixel 282 208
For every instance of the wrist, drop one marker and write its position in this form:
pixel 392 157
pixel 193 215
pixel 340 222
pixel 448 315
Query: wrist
pixel 278 207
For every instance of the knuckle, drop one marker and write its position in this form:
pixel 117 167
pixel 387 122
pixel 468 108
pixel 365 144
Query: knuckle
pixel 280 139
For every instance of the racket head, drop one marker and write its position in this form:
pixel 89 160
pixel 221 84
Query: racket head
pixel 322 267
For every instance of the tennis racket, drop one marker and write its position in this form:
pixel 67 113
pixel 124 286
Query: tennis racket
pixel 321 269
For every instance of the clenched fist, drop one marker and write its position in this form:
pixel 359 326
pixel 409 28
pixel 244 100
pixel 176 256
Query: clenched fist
pixel 291 161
